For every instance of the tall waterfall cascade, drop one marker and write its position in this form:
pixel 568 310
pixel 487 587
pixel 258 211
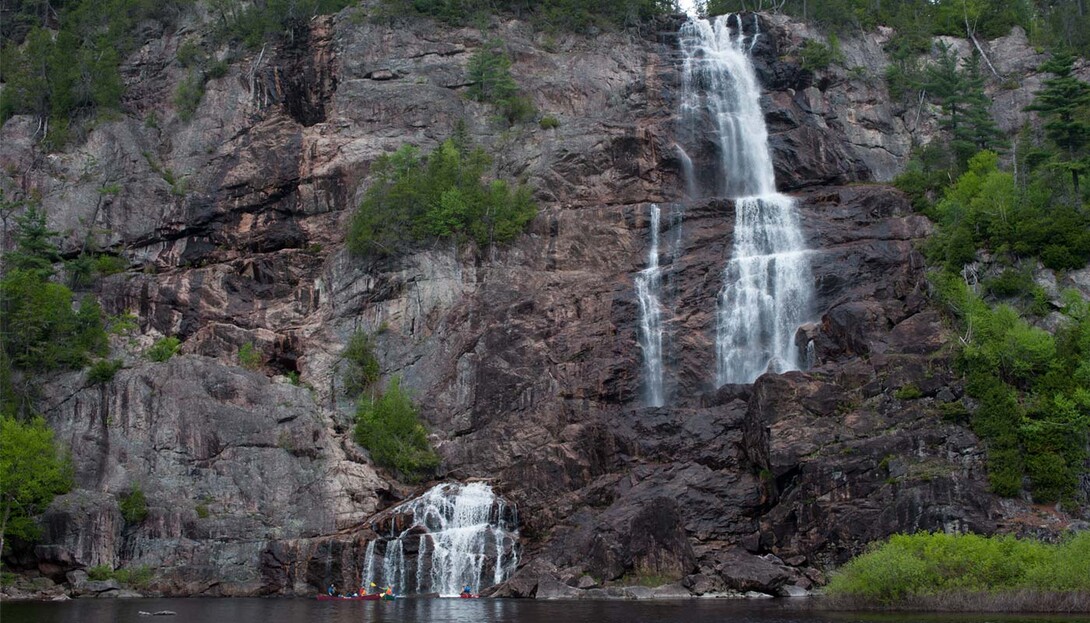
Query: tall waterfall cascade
pixel 648 292
pixel 767 285
pixel 654 291
pixel 453 536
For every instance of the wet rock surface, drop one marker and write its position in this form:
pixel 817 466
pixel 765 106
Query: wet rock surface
pixel 524 360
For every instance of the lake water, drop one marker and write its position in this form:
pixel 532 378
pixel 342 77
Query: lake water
pixel 469 611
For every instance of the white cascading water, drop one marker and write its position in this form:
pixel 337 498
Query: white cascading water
pixel 648 289
pixel 767 282
pixel 460 531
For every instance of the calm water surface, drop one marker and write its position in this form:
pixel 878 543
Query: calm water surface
pixel 467 611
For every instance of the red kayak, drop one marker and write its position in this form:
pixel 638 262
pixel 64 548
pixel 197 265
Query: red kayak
pixel 375 597
pixel 468 596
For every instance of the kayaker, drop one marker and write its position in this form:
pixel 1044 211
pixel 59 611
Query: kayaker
pixel 467 592
pixel 332 590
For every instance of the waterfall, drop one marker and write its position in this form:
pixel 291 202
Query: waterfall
pixel 767 284
pixel 648 287
pixel 464 528
pixel 369 565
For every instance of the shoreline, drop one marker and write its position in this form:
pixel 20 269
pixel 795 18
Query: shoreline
pixel 1003 602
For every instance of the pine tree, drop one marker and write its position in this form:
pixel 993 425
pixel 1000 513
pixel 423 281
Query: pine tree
pixel 978 130
pixel 33 250
pixel 1065 104
pixel 948 86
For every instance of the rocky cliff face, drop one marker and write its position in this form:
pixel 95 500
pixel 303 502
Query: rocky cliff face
pixel 524 360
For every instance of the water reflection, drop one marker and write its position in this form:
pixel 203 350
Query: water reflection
pixel 474 611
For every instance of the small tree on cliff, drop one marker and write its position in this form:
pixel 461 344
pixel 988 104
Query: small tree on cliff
pixel 1065 104
pixel 32 472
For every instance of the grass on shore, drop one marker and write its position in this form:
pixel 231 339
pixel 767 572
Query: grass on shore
pixel 934 571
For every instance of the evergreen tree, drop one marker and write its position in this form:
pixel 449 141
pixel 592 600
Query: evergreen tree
pixel 1064 103
pixel 978 130
pixel 34 252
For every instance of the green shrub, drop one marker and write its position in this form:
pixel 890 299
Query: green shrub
pixel 188 95
pixel 443 195
pixel 189 54
pixel 549 15
pixel 1032 389
pixel 103 371
pixel 389 428
pixel 815 55
pixel 362 368
pixel 489 73
pixel 164 348
pixel 518 109
pixel 548 123
pixel 249 357
pixel 908 392
pixel 99 573
pixel 32 473
pixel 935 563
pixel 106 265
pixel 216 70
pixel 133 505
pixel 270 21
pixel 135 577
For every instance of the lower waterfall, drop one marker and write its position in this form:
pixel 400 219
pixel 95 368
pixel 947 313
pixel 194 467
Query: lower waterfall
pixel 457 535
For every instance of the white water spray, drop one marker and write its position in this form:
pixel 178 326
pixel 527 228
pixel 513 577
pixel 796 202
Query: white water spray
pixel 461 530
pixel 767 282
pixel 648 289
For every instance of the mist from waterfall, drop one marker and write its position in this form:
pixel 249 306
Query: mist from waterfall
pixel 767 287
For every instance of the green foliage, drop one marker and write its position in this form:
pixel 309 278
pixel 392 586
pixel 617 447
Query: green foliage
pixel 164 348
pixel 908 392
pixel 936 563
pixel 489 72
pixel 249 357
pixel 188 95
pixel 99 573
pixel 1033 390
pixel 440 196
pixel 34 251
pixel 985 209
pixel 1064 103
pixel 103 371
pixel 362 368
pixel 817 55
pixel 39 329
pixel 106 264
pixel 135 577
pixel 62 64
pixel 269 21
pixel 133 505
pixel 572 15
pixel 32 472
pixel 966 120
pixel 548 123
pixel 389 428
